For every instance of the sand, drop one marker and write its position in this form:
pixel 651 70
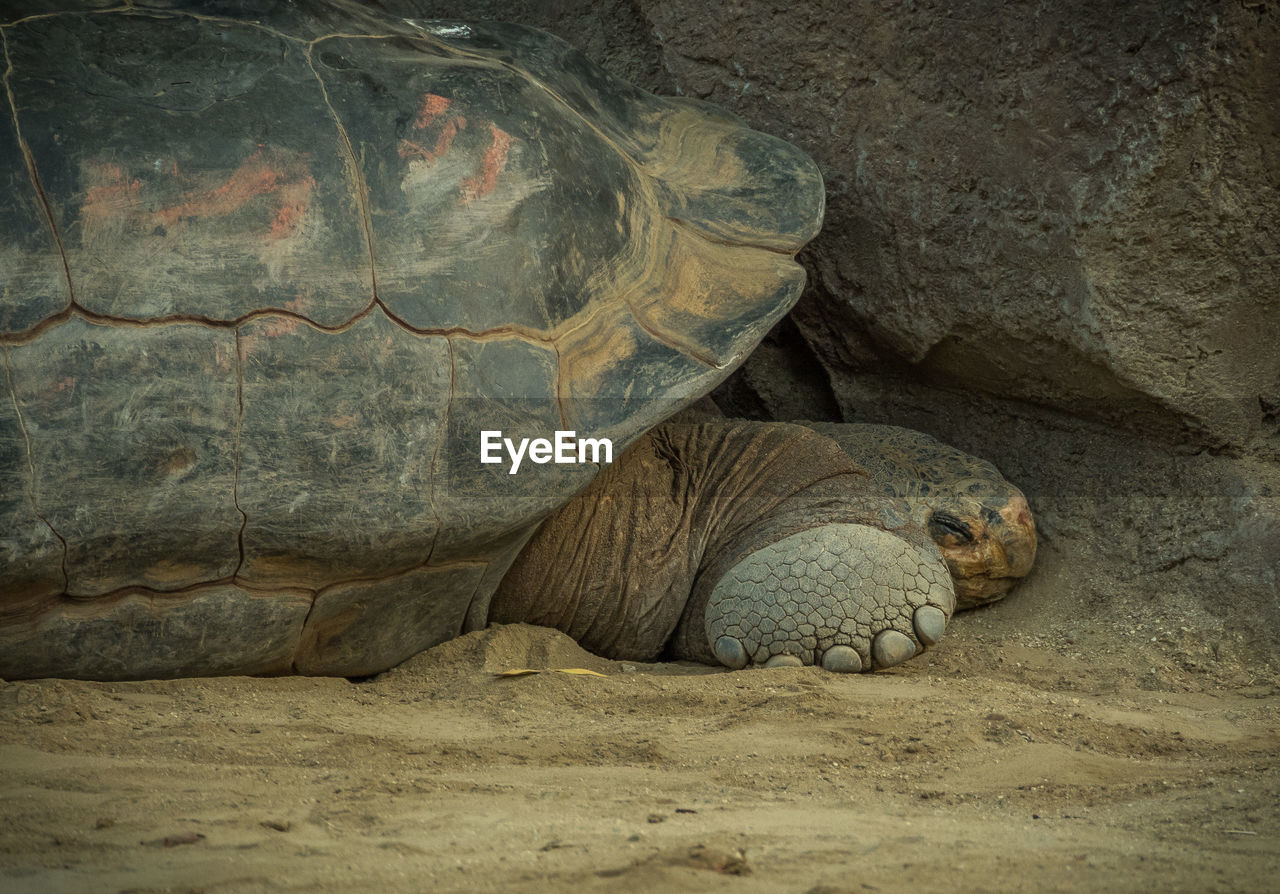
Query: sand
pixel 1121 757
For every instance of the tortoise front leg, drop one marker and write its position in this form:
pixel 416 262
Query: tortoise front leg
pixel 848 597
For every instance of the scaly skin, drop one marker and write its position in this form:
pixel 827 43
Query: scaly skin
pixel 845 596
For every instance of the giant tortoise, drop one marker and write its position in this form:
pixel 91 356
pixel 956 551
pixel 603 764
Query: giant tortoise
pixel 269 283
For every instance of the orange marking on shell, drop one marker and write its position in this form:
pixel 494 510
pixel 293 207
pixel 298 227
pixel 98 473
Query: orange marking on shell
pixel 493 163
pixel 410 149
pixel 447 135
pixel 110 194
pixel 287 219
pixel 295 199
pixel 448 132
pixel 432 107
pixel 252 178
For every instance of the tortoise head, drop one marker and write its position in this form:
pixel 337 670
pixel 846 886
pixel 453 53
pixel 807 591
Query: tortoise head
pixel 987 535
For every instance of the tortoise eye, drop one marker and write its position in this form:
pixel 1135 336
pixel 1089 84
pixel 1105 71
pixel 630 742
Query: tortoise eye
pixel 942 525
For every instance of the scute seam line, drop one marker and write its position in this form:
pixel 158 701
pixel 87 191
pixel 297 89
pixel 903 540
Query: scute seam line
pixel 564 417
pixel 354 172
pixel 435 458
pixel 33 172
pixel 28 335
pixel 126 7
pixel 257 589
pixel 236 455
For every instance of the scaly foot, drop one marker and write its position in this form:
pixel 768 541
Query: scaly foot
pixel 849 597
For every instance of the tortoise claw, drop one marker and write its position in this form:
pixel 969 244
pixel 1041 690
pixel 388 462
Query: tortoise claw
pixel 929 622
pixel 891 647
pixel 842 660
pixel 729 651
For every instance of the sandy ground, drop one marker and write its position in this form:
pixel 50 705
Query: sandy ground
pixel 1113 757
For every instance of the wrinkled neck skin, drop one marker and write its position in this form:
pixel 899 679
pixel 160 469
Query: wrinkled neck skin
pixel 626 567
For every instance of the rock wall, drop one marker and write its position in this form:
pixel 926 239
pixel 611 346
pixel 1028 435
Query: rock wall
pixel 1052 239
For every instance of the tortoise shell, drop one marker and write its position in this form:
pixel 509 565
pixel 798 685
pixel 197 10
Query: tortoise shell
pixel 264 282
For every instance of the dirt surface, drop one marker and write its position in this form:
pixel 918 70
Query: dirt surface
pixel 1126 753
